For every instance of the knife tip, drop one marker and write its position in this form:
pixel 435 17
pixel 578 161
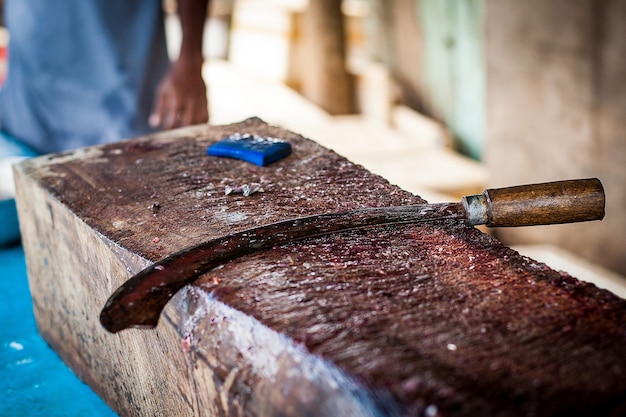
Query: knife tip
pixel 114 317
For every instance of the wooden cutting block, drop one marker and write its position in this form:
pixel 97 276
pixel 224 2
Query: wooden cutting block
pixel 435 319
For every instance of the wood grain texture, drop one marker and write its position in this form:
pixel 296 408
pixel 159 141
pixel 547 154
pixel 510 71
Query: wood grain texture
pixel 433 319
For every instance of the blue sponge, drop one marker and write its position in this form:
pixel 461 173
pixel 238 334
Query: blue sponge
pixel 255 149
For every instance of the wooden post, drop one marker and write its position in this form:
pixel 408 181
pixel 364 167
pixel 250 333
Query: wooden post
pixel 325 80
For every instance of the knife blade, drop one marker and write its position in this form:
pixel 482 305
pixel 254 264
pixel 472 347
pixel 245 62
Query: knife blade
pixel 139 301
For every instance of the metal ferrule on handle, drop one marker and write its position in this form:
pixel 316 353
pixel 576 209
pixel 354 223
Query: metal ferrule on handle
pixel 476 208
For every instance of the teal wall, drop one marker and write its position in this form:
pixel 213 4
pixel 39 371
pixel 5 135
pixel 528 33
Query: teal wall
pixel 454 68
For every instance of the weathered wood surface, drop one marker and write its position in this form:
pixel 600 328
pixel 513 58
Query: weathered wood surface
pixel 435 319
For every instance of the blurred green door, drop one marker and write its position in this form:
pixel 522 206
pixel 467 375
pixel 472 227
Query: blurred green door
pixel 454 67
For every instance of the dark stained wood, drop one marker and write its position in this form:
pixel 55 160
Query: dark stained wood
pixel 432 319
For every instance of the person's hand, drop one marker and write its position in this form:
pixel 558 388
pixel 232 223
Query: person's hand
pixel 181 98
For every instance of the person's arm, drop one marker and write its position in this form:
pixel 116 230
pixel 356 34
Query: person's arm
pixel 181 98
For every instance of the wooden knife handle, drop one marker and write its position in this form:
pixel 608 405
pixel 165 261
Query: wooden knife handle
pixel 536 204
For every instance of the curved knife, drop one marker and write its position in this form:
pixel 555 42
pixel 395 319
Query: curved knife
pixel 139 301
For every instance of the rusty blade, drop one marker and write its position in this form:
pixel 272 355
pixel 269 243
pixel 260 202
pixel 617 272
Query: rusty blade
pixel 139 301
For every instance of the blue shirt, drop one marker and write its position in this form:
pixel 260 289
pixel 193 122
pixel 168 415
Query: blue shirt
pixel 81 72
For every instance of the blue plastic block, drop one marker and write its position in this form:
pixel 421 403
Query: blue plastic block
pixel 255 149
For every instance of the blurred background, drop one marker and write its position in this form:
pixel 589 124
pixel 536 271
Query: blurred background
pixel 441 97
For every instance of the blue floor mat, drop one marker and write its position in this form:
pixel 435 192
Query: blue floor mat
pixel 33 379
